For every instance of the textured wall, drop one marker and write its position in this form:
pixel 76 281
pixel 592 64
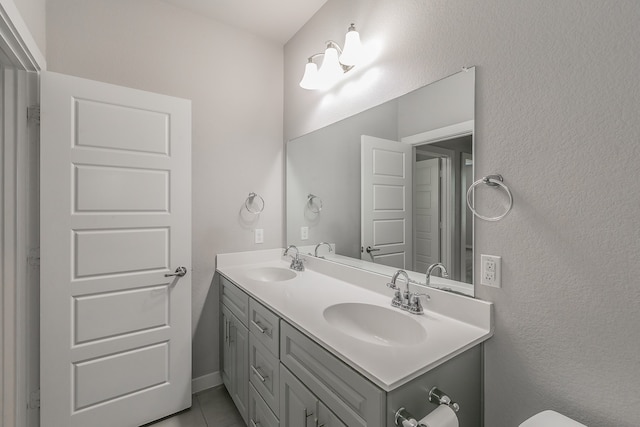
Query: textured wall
pixel 235 83
pixel 33 13
pixel 557 115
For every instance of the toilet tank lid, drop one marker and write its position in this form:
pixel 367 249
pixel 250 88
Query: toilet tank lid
pixel 550 419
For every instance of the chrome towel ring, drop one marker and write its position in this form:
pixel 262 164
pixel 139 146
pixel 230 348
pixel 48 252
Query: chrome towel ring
pixel 251 201
pixel 493 181
pixel 315 203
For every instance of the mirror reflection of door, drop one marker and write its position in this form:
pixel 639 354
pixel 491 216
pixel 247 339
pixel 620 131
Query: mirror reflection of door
pixel 386 205
pixel 426 211
pixel 466 221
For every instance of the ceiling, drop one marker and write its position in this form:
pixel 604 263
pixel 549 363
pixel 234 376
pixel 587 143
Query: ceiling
pixel 277 20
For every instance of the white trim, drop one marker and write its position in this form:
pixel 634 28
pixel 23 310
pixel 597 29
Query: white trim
pixel 441 134
pixel 13 257
pixel 16 41
pixel 448 209
pixel 19 53
pixel 205 382
pixel 436 135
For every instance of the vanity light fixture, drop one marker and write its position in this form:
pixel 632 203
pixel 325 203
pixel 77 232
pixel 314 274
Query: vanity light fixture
pixel 335 62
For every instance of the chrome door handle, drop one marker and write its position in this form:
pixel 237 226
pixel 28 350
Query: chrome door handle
pixel 370 249
pixel 180 271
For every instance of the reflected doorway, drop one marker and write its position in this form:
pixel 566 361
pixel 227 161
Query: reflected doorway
pixel 443 230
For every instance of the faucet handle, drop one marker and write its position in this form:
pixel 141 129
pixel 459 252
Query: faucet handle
pixel 397 297
pixel 297 264
pixel 415 306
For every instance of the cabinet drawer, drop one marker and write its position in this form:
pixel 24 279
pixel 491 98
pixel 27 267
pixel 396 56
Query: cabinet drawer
pixel 264 373
pixel 235 300
pixel 265 326
pixel 259 413
pixel 353 398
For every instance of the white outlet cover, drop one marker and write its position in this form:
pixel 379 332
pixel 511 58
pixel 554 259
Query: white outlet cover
pixel 259 235
pixel 490 270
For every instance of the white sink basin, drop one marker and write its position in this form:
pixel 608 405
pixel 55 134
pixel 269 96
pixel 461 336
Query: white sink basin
pixel 375 324
pixel 270 274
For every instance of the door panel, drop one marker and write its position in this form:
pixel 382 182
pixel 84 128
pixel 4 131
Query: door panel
pixel 386 206
pixel 427 214
pixel 115 218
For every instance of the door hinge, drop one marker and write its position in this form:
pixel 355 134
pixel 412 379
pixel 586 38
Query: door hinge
pixel 33 259
pixel 34 399
pixel 33 114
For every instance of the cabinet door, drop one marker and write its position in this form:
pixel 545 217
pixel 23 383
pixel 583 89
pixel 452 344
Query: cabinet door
pixel 326 418
pixel 297 404
pixel 228 361
pixel 259 413
pixel 240 353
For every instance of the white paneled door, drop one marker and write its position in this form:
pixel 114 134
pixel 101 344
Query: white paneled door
pixel 115 219
pixel 386 205
pixel 426 207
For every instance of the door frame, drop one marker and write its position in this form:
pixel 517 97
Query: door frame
pixel 448 176
pixel 19 284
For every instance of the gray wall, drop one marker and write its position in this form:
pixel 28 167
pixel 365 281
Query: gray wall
pixel 236 113
pixel 33 13
pixel 557 116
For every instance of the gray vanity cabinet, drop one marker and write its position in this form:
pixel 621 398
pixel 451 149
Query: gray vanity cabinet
pixel 235 345
pixel 260 415
pixel 279 377
pixel 353 398
pixel 300 408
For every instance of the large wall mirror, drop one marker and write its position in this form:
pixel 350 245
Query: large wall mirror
pixel 386 188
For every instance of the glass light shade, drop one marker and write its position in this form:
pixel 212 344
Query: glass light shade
pixel 310 77
pixel 330 71
pixel 352 48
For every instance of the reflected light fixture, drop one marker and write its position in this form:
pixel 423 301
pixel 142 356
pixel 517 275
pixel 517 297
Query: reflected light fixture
pixel 335 62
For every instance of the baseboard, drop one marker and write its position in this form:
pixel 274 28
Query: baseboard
pixel 206 381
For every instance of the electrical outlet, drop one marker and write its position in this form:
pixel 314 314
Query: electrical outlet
pixel 304 233
pixel 259 235
pixel 490 274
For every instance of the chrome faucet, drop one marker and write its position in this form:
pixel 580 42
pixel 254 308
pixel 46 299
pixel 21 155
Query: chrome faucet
pixel 296 262
pixel 407 300
pixel 399 299
pixel 315 252
pixel 433 267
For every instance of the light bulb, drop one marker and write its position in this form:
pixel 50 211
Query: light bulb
pixel 310 77
pixel 352 47
pixel 330 71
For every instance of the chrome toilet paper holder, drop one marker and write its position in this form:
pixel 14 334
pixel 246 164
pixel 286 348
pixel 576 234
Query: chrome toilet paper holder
pixel 405 419
pixel 437 396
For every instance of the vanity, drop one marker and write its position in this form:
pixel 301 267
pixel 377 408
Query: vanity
pixel 324 347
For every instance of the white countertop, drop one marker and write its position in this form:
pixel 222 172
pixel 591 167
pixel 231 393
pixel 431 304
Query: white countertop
pixel 453 323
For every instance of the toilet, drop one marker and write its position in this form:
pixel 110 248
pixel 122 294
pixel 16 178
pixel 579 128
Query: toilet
pixel 550 419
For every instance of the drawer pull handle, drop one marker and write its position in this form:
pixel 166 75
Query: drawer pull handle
pixel 260 376
pixel 260 328
pixel 253 423
pixel 307 414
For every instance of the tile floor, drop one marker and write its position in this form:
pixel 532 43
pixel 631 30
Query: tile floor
pixel 210 408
